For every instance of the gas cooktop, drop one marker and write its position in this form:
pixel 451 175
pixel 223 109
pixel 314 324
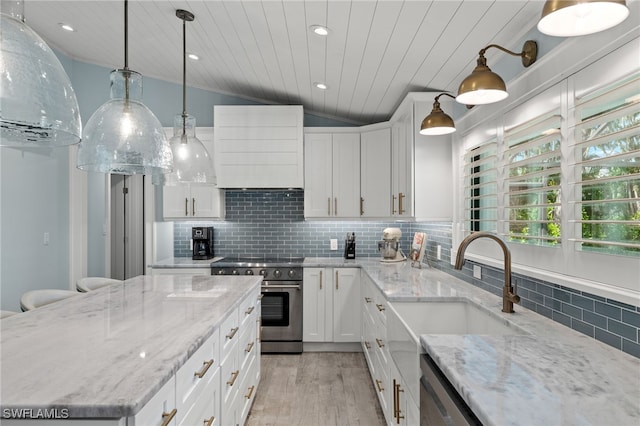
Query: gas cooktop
pixel 259 261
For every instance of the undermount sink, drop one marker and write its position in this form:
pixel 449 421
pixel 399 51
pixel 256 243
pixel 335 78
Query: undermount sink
pixel 458 317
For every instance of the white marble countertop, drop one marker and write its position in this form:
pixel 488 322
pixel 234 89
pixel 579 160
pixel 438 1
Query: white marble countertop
pixel 552 376
pixel 184 262
pixel 105 353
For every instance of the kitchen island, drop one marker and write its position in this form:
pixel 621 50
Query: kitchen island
pixel 107 353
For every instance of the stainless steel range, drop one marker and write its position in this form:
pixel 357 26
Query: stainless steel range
pixel 281 297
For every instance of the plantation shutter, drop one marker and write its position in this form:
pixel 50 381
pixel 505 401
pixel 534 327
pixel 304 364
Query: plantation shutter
pixel 481 188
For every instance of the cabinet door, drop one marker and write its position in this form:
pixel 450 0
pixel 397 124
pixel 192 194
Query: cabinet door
pixel 346 305
pixel 314 305
pixel 402 166
pixel 317 175
pixel 161 407
pixel 346 175
pixel 175 201
pixel 375 176
pixel 206 202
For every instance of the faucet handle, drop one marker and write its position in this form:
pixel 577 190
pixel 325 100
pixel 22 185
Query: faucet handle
pixel 514 294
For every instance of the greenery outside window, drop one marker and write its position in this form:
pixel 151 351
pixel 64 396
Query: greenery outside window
pixel 532 185
pixel 607 157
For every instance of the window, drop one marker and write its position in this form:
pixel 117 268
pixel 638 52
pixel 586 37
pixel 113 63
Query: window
pixel 607 160
pixel 480 176
pixel 532 187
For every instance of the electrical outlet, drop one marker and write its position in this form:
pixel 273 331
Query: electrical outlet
pixel 333 244
pixel 439 252
pixel 477 272
pixel 45 239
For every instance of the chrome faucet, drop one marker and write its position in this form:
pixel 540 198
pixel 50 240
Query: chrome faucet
pixel 509 296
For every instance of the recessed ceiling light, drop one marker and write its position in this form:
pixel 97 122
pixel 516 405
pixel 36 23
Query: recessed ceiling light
pixel 320 85
pixel 193 56
pixel 66 27
pixel 320 30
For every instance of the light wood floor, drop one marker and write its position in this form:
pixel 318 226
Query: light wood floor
pixel 315 389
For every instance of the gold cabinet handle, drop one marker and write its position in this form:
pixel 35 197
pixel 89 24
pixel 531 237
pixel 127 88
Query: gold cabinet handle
pixel 320 280
pixel 234 376
pixel 367 299
pixel 361 206
pixel 336 280
pixel 380 307
pixel 209 421
pixel 193 206
pixel 367 345
pixel 186 207
pixel 400 197
pixel 248 396
pixel 260 296
pixel 205 367
pixel 167 417
pixel 379 385
pixel 329 206
pixel 249 347
pixel 393 204
pixel 396 401
pixel 233 332
pixel 249 310
pixel 379 342
pixel 335 206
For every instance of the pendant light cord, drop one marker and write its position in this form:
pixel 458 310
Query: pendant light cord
pixel 184 76
pixel 126 49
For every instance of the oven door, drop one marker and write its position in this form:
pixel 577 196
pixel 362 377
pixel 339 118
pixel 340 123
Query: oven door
pixel 281 316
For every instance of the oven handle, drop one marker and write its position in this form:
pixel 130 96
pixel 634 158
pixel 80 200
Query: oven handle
pixel 278 286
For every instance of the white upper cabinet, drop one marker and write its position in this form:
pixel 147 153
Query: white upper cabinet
pixel 332 175
pixel 259 146
pixel 402 165
pixel 375 173
pixel 194 201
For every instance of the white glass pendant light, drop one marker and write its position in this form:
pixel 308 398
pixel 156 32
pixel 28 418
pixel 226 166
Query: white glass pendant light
pixel 38 107
pixel 567 18
pixel 191 161
pixel 123 136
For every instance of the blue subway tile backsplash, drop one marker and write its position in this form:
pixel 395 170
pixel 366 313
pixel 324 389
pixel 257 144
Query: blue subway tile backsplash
pixel 272 223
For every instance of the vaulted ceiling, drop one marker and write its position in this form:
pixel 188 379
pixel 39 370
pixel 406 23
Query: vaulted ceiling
pixel 376 51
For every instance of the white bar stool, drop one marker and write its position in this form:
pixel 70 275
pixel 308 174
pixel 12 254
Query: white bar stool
pixel 87 284
pixel 36 298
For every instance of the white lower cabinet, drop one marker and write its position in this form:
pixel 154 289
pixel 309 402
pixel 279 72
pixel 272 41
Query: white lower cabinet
pixel 218 383
pixel 331 312
pixel 379 340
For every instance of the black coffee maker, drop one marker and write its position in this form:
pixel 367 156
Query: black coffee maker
pixel 350 246
pixel 202 242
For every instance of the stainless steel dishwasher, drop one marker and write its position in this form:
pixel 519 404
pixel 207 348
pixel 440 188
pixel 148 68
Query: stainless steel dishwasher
pixel 440 404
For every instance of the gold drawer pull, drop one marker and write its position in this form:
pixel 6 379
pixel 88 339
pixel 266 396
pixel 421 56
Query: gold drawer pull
pixel 260 296
pixel 379 342
pixel 248 396
pixel 209 421
pixel 167 417
pixel 380 307
pixel 379 385
pixel 205 367
pixel 367 345
pixel 249 347
pixel 248 311
pixel 234 376
pixel 233 332
pixel 367 299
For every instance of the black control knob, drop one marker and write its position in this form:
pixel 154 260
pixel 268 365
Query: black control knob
pixel 263 272
pixel 248 272
pixel 291 273
pixel 235 272
pixel 277 273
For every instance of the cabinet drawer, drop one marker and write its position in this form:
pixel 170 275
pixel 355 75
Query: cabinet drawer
pixel 196 374
pixel 205 409
pixel 160 407
pixel 247 308
pixel 381 383
pixel 247 344
pixel 249 387
pixel 229 334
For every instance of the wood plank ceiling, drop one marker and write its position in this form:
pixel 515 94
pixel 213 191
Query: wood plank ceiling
pixel 376 51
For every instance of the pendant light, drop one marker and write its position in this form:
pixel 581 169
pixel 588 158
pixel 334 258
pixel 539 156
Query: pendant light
pixel 437 122
pixel 567 18
pixel 38 107
pixel 123 136
pixel 483 86
pixel 191 161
